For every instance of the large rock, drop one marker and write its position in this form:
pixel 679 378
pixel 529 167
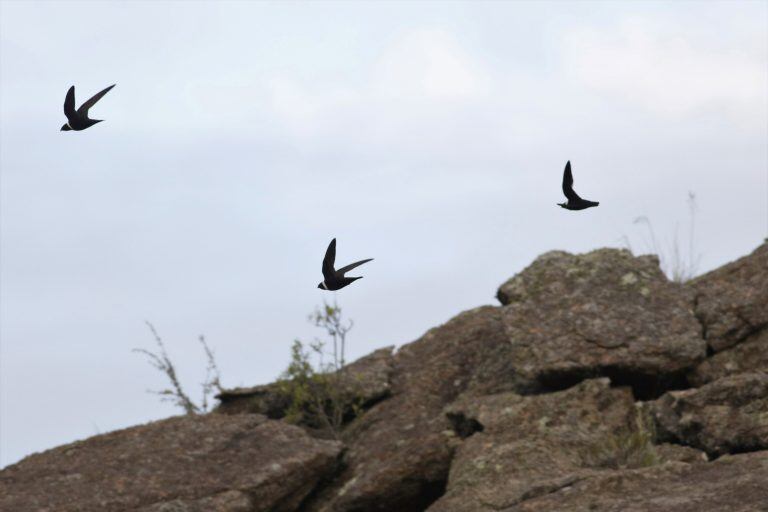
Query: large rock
pixel 729 484
pixel 363 382
pixel 525 446
pixel 500 409
pixel 748 356
pixel 183 464
pixel 570 317
pixel 725 416
pixel 399 452
pixel 732 301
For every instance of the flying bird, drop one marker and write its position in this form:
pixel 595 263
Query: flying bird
pixel 78 119
pixel 335 279
pixel 574 201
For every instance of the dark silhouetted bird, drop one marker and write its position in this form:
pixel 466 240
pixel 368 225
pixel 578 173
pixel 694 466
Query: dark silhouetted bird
pixel 335 279
pixel 78 119
pixel 574 201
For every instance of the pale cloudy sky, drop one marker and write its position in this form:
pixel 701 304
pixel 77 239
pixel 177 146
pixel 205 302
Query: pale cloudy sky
pixel 242 136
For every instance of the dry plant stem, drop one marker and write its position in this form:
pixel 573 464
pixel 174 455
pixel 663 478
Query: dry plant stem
pixel 212 383
pixel 176 394
pixel 671 259
pixel 318 396
pixel 330 319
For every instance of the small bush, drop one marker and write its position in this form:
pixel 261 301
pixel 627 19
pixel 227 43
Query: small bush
pixel 316 382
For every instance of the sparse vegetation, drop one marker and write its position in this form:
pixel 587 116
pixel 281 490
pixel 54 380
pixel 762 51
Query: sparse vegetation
pixel 176 393
pixel 316 381
pixel 630 448
pixel 679 266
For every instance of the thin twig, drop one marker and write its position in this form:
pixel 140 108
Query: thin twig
pixel 177 395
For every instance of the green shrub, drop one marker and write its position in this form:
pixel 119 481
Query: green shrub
pixel 316 382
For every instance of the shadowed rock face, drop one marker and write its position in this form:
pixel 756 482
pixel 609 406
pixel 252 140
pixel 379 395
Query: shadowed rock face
pixel 227 501
pixel 210 463
pixel 399 452
pixel 364 381
pixel 598 385
pixel 729 415
pixel 729 484
pixel 732 301
pixel 531 445
pixel 748 356
pixel 570 317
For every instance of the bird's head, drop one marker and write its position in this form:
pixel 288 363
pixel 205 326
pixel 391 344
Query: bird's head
pixel 65 128
pixel 322 286
pixel 562 205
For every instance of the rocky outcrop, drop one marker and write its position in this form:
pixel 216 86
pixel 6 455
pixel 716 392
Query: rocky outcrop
pixel 529 446
pixel 729 415
pixel 748 356
pixel 729 484
pixel 399 452
pixel 206 463
pixel 732 301
pixel 565 318
pixel 597 385
pixel 570 317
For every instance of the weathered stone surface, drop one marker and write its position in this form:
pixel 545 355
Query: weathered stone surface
pixel 749 355
pixel 680 453
pixel 500 409
pixel 729 484
pixel 228 501
pixel 400 450
pixel 267 399
pixel 212 463
pixel 602 313
pixel 365 380
pixel 532 445
pixel 725 416
pixel 732 301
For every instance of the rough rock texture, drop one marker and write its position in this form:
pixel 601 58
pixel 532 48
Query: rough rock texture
pixel 500 409
pixel 399 452
pixel 202 463
pixel 602 313
pixel 729 415
pixel 749 355
pixel 680 453
pixel 227 501
pixel 729 484
pixel 365 380
pixel 529 446
pixel 732 301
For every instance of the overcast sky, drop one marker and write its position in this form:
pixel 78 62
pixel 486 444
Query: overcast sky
pixel 241 137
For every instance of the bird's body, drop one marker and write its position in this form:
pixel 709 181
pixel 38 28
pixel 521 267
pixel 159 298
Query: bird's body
pixel 77 119
pixel 335 279
pixel 574 201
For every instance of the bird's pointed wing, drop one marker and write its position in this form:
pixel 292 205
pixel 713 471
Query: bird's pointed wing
pixel 69 103
pixel 329 260
pixel 83 110
pixel 349 267
pixel 568 184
